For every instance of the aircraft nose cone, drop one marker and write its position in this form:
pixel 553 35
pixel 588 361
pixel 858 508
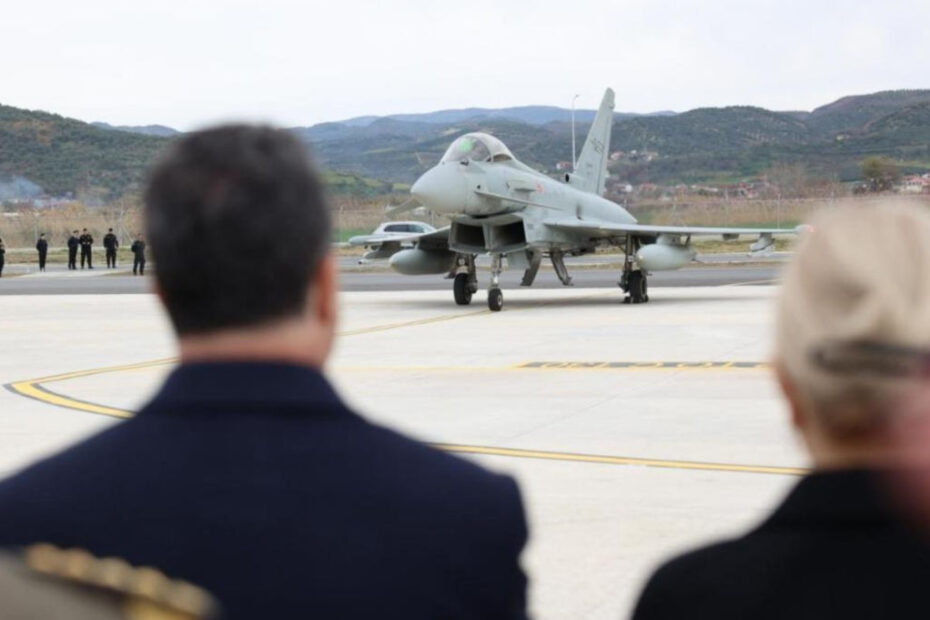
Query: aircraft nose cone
pixel 440 189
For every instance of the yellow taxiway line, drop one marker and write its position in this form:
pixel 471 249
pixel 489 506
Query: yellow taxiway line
pixel 35 389
pixel 620 460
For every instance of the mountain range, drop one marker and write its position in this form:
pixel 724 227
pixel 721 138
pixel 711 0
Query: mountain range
pixel 372 155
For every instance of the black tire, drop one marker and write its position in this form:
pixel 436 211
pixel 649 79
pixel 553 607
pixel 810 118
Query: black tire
pixel 495 300
pixel 637 287
pixel 461 290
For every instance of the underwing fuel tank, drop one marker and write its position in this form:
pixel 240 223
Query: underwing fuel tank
pixel 382 251
pixel 664 257
pixel 417 262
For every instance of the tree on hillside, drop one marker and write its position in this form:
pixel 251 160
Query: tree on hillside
pixel 880 173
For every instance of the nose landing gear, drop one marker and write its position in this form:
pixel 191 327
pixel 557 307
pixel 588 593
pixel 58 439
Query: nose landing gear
pixel 465 284
pixel 495 300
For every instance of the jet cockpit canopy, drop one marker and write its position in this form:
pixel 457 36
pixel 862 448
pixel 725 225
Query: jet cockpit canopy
pixel 477 147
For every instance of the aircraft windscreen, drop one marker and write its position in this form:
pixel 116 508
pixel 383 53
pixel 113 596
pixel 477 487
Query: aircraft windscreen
pixel 467 148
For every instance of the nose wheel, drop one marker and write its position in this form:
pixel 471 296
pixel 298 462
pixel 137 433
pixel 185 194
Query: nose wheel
pixel 461 289
pixel 495 300
pixel 465 284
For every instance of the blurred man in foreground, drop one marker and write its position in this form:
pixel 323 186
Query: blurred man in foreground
pixel 246 473
pixel 853 310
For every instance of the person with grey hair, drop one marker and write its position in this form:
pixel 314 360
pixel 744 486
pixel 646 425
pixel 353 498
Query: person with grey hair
pixel 852 325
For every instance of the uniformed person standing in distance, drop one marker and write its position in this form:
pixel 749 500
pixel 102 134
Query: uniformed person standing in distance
pixel 42 248
pixel 138 253
pixel 110 243
pixel 2 257
pixel 73 243
pixel 87 243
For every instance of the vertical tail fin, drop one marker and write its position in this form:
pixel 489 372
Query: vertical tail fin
pixel 591 170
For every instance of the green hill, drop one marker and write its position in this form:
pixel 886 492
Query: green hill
pixel 370 158
pixel 58 156
pixel 703 145
pixel 709 129
pixel 62 155
pixel 856 112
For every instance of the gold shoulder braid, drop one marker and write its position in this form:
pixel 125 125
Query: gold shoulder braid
pixel 145 593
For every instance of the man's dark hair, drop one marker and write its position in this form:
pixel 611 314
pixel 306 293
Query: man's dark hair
pixel 238 226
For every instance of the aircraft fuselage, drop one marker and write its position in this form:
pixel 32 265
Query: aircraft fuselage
pixel 503 206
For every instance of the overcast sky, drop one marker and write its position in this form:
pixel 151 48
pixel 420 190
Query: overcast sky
pixel 191 63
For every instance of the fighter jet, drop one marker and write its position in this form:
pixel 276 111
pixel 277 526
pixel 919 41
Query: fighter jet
pixel 519 216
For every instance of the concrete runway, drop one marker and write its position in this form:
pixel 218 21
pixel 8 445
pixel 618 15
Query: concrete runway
pixel 634 431
pixel 352 279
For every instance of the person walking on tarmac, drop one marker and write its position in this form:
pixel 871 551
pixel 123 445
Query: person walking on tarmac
pixel 110 243
pixel 138 253
pixel 2 257
pixel 42 248
pixel 73 243
pixel 87 243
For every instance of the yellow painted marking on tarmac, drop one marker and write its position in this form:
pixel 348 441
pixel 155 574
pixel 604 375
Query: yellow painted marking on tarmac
pixel 754 282
pixel 621 460
pixel 99 371
pixel 423 368
pixel 427 321
pixel 33 389
pixel 708 365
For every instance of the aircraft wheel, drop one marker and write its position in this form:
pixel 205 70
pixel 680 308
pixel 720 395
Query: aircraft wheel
pixel 461 290
pixel 495 300
pixel 638 288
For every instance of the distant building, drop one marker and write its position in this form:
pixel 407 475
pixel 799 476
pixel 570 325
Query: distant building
pixel 916 184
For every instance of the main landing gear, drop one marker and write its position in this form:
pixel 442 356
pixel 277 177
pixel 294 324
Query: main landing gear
pixel 635 287
pixel 495 296
pixel 633 281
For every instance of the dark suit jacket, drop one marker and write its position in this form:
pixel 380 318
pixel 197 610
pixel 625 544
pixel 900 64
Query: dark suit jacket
pixel 834 549
pixel 256 482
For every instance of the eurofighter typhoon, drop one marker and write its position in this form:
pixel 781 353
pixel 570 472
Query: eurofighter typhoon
pixel 519 216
